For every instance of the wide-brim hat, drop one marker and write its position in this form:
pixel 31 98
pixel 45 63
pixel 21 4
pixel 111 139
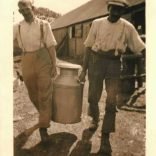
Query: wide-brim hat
pixel 122 3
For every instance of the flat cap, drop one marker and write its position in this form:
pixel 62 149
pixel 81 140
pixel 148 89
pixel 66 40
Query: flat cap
pixel 122 3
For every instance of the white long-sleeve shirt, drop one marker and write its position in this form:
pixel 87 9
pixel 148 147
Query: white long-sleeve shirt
pixel 106 36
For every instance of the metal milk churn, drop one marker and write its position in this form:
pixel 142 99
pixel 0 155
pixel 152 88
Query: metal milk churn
pixel 67 95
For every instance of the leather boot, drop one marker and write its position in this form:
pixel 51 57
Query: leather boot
pixel 44 134
pixel 105 147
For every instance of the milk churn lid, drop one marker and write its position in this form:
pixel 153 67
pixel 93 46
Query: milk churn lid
pixel 68 65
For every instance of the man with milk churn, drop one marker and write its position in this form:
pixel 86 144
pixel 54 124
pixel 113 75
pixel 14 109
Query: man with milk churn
pixel 106 41
pixel 35 38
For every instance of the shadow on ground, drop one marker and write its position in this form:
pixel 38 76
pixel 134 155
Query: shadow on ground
pixel 58 144
pixel 83 147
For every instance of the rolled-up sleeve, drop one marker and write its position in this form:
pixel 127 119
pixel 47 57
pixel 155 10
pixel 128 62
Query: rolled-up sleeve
pixel 49 38
pixel 134 42
pixel 90 40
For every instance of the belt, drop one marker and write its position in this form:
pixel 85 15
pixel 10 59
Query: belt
pixel 32 52
pixel 107 54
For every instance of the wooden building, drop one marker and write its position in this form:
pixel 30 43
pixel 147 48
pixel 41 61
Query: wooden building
pixel 71 29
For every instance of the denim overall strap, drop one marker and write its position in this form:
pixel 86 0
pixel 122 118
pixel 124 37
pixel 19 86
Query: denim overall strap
pixel 19 29
pixel 42 34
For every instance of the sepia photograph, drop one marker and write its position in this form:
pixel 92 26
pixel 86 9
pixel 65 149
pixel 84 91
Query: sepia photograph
pixel 78 78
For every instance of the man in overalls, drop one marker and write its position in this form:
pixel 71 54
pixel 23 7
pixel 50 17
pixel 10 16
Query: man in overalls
pixel 107 40
pixel 37 42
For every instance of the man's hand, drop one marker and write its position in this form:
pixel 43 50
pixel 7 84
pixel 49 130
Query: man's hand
pixel 52 53
pixel 82 76
pixel 54 72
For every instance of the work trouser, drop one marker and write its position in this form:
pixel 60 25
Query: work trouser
pixel 104 67
pixel 36 68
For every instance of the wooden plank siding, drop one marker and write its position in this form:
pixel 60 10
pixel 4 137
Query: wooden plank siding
pixel 60 34
pixel 76 44
pixel 75 41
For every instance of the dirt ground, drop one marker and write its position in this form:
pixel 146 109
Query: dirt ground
pixel 68 139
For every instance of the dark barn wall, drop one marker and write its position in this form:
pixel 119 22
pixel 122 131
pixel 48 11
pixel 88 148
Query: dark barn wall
pixel 76 34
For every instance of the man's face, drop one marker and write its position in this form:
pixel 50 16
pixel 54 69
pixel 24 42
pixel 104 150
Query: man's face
pixel 116 11
pixel 26 10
